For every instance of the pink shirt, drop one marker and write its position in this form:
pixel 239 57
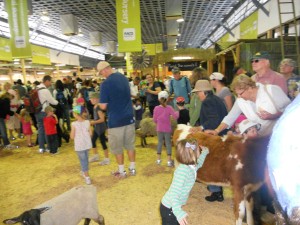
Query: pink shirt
pixel 162 118
pixel 271 77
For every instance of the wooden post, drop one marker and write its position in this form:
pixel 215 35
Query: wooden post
pixel 23 70
pixel 210 67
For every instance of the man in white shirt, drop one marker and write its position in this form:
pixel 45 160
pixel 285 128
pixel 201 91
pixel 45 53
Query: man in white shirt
pixel 46 99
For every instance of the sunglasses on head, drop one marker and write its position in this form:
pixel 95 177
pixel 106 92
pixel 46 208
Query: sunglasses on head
pixel 255 61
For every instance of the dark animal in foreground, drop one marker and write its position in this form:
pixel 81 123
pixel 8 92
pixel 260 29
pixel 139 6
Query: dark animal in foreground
pixel 232 161
pixel 68 208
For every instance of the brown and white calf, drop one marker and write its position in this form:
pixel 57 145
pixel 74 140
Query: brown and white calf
pixel 232 161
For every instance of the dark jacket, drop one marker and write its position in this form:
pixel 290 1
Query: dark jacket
pixel 5 108
pixel 212 112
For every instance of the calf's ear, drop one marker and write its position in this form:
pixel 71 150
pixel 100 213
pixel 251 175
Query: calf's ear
pixel 12 220
pixel 44 209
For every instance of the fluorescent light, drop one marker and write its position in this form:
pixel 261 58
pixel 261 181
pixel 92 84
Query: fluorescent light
pixel 65 71
pixel 182 57
pixel 40 73
pixel 180 20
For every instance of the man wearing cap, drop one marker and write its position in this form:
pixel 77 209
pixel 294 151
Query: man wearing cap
pixel 180 86
pixel 116 99
pixel 264 74
pixel 21 89
pixel 212 112
pixel 287 67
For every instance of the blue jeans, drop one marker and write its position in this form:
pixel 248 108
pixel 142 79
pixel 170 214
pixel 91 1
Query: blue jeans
pixel 213 188
pixel 83 157
pixel 41 130
pixel 3 132
pixel 161 137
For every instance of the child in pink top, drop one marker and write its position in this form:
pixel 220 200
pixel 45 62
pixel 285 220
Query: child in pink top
pixel 26 121
pixel 162 117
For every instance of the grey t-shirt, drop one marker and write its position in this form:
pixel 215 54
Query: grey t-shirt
pixel 225 92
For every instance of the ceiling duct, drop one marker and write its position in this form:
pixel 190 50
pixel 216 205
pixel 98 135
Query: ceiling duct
pixel 95 38
pixel 172 27
pixel 173 8
pixel 111 46
pixel 68 24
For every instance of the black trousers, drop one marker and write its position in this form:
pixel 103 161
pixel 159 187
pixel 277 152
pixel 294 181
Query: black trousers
pixel 167 216
pixel 52 143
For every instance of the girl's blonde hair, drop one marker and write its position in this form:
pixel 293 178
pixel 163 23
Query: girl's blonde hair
pixel 25 115
pixel 163 101
pixel 187 151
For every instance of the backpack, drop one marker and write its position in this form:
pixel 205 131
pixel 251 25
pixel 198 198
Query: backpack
pixel 32 102
pixel 60 97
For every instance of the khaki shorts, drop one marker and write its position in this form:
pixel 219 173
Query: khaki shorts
pixel 13 123
pixel 121 137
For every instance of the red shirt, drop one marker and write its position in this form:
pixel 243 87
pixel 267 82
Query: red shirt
pixel 50 125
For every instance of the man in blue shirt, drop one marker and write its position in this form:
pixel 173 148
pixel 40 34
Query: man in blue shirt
pixel 180 86
pixel 116 99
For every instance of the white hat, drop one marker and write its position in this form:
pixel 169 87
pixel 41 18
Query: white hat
pixel 102 65
pixel 202 85
pixel 216 76
pixel 246 124
pixel 163 94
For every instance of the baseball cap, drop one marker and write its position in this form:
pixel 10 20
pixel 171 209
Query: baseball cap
pixel 261 55
pixel 202 85
pixel 175 70
pixel 93 94
pixel 163 94
pixel 180 100
pixel 78 109
pixel 216 76
pixel 246 124
pixel 102 65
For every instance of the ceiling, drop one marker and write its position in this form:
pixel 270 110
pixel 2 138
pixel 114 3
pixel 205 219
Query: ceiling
pixel 202 19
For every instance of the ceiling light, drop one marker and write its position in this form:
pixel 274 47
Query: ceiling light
pixel 80 34
pixel 45 16
pixel 40 73
pixel 180 20
pixel 182 57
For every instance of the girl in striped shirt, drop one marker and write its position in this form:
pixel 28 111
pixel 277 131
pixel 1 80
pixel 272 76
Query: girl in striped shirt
pixel 190 159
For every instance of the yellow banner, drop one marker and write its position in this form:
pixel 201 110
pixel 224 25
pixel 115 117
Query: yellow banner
pixel 18 25
pixel 129 25
pixel 5 52
pixel 40 55
pixel 248 27
pixel 149 48
pixel 129 66
pixel 159 48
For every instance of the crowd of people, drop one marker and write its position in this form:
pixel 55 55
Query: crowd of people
pixel 111 112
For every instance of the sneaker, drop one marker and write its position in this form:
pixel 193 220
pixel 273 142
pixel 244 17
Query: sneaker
pixel 47 150
pixel 94 158
pixel 132 172
pixel 104 162
pixel 10 146
pixel 41 150
pixel 170 163
pixel 88 180
pixel 21 136
pixel 119 175
pixel 12 138
pixel 158 162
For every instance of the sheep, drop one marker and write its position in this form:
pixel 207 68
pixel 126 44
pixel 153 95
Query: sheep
pixel 68 208
pixel 148 128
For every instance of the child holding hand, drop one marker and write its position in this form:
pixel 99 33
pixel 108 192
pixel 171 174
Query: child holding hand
pixel 190 159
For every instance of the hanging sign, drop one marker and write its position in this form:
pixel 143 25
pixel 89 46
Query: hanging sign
pixel 129 25
pixel 183 66
pixel 5 52
pixel 18 25
pixel 248 27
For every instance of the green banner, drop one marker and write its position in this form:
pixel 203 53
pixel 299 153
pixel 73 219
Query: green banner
pixel 5 52
pixel 18 25
pixel 129 25
pixel 248 27
pixel 40 55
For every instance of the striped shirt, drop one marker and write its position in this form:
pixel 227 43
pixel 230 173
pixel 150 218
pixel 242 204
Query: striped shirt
pixel 183 180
